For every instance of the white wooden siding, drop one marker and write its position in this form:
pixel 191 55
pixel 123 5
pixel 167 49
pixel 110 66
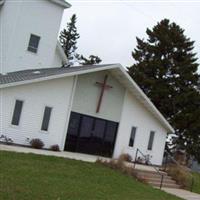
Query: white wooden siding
pixel 54 93
pixel 134 114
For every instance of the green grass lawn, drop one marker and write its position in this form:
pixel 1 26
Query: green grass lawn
pixel 34 177
pixel 196 187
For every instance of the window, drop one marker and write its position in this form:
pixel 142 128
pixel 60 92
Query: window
pixel 132 137
pixel 33 43
pixel 151 139
pixel 46 118
pixel 17 112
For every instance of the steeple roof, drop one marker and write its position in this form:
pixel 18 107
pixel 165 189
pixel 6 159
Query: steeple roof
pixel 62 3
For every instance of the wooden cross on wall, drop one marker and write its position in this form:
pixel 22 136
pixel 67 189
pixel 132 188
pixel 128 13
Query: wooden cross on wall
pixel 103 86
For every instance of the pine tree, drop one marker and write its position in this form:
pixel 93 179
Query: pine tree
pixel 198 87
pixel 165 68
pixel 68 38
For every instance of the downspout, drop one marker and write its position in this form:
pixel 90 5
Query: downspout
pixel 75 78
pixel 117 140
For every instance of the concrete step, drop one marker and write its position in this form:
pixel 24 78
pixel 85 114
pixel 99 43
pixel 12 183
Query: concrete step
pixel 166 185
pixel 150 172
pixel 154 178
pixel 159 180
pixel 158 176
pixel 167 178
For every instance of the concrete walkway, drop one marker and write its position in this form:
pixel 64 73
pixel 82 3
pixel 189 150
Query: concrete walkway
pixel 64 154
pixel 184 194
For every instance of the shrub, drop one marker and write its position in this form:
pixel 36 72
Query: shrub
pixel 55 147
pixel 120 165
pixel 125 157
pixel 6 139
pixel 36 143
pixel 180 174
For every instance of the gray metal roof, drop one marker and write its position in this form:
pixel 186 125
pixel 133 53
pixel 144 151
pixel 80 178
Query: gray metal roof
pixel 32 74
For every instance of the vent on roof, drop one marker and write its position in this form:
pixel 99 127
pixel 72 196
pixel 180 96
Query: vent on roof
pixel 36 72
pixel 1 2
pixel 4 74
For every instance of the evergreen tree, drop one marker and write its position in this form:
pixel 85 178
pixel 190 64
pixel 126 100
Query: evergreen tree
pixel 68 38
pixel 165 68
pixel 92 60
pixel 198 87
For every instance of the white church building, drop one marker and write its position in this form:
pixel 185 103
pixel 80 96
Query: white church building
pixel 96 110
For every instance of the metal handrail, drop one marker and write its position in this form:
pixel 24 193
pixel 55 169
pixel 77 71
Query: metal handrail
pixel 135 162
pixel 171 157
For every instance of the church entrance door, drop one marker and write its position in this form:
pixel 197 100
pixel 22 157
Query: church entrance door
pixel 91 135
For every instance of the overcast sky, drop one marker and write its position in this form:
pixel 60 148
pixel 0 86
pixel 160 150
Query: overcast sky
pixel 109 28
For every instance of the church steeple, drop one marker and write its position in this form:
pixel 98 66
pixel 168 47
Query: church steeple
pixel 28 35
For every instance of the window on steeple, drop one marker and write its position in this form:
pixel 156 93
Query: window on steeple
pixel 33 43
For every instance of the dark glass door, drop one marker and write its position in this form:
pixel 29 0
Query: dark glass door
pixel 97 136
pixel 73 131
pixel 83 143
pixel 91 135
pixel 109 138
